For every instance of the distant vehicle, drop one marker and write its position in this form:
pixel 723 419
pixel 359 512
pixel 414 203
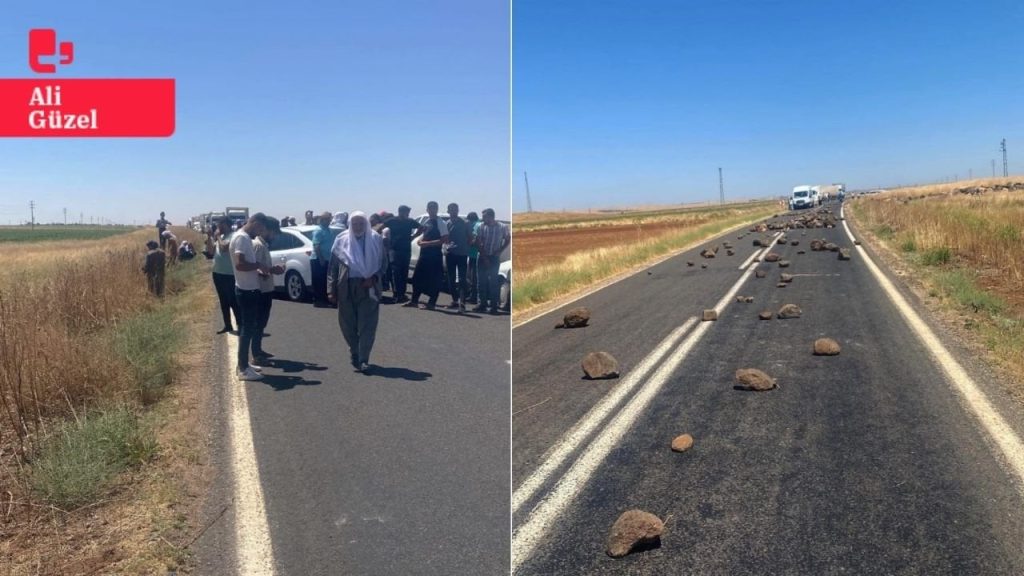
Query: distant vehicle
pixel 801 198
pixel 238 215
pixel 816 195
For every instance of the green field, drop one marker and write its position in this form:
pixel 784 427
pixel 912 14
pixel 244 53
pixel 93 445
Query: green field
pixel 51 233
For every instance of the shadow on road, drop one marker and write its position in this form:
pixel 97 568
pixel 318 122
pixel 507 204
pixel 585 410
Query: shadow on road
pixel 294 365
pixel 399 373
pixel 280 382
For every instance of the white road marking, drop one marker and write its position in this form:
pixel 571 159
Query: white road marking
pixel 1008 443
pixel 749 260
pixel 536 526
pixel 572 440
pixel 254 554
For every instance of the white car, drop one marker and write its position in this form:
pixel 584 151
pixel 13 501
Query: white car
pixel 292 249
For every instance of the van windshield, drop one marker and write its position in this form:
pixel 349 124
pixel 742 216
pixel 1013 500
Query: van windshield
pixel 800 194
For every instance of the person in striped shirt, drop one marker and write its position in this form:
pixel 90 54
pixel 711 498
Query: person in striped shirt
pixel 492 238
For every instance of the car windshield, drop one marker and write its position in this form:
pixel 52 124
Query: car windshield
pixel 800 194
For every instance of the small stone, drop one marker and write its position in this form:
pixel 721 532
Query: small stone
pixel 785 277
pixel 633 527
pixel 856 242
pixel 844 253
pixel 710 315
pixel 831 247
pixel 794 242
pixel 826 347
pixel 760 273
pixel 703 265
pixel 780 285
pixel 682 443
pixel 771 257
pixel 754 379
pixel 765 315
pixel 801 252
pixel 783 263
pixel 757 243
pixel 730 253
pixel 600 365
pixel 575 318
pixel 689 263
pixel 789 311
pixel 708 253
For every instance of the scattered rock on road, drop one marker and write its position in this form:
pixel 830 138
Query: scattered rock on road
pixel 754 379
pixel 765 315
pixel 689 263
pixel 710 315
pixel 771 257
pixel 575 318
pixel 783 263
pixel 600 365
pixel 760 273
pixel 708 253
pixel 730 253
pixel 780 285
pixel 844 253
pixel 785 277
pixel 826 347
pixel 789 311
pixel 682 443
pixel 633 527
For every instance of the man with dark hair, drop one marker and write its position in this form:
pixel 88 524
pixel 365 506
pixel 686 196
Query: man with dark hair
pixel 471 270
pixel 261 247
pixel 161 227
pixel 400 232
pixel 224 273
pixel 457 256
pixel 492 238
pixel 323 239
pixel 247 290
pixel 429 273
pixel 154 268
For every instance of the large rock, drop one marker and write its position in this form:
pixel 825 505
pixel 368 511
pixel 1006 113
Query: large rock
pixel 831 247
pixel 708 253
pixel 844 253
pixel 772 257
pixel 817 245
pixel 826 347
pixel 710 315
pixel 575 318
pixel 754 379
pixel 682 443
pixel 789 311
pixel 599 366
pixel 632 528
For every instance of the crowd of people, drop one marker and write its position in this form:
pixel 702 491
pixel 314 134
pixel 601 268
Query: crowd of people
pixel 356 258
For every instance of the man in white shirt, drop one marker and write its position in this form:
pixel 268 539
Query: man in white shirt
pixel 247 289
pixel 261 247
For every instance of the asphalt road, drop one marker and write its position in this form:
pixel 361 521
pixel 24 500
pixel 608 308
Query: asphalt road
pixel 403 471
pixel 862 463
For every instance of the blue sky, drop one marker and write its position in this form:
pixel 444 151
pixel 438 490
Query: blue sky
pixel 281 106
pixel 619 103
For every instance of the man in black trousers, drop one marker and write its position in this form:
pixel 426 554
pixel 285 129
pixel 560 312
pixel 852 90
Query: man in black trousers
pixel 401 231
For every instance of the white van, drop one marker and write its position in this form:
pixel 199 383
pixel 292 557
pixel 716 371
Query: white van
pixel 801 197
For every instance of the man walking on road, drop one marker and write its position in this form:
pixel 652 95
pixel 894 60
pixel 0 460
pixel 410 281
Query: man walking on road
pixel 357 263
pixel 492 238
pixel 457 256
pixel 247 290
pixel 429 273
pixel 323 239
pixel 261 247
pixel 224 273
pixel 400 228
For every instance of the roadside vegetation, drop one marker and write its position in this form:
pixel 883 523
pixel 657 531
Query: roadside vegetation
pixel 86 356
pixel 964 242
pixel 570 257
pixel 50 233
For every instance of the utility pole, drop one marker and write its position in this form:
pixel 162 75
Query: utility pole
pixel 65 216
pixel 529 204
pixel 721 187
pixel 993 167
pixel 32 209
pixel 1002 145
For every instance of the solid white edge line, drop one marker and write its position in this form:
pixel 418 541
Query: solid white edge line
pixel 571 440
pixel 536 526
pixel 1001 433
pixel 254 554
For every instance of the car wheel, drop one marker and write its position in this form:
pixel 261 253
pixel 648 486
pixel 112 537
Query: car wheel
pixel 505 294
pixel 294 286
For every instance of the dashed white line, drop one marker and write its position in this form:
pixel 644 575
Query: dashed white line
pixel 1005 439
pixel 529 534
pixel 254 555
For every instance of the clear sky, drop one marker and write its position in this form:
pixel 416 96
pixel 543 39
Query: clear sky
pixel 282 107
pixel 626 102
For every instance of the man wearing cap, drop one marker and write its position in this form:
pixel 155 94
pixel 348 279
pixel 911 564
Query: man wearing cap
pixel 401 230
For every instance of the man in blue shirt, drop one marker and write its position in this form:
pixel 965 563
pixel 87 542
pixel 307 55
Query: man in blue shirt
pixel 323 240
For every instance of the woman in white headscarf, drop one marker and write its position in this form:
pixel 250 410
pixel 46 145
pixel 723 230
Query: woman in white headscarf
pixel 354 282
pixel 340 220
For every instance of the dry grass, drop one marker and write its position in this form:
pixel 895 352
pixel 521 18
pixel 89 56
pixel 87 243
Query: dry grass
pixel 685 215
pixel 85 351
pixel 968 250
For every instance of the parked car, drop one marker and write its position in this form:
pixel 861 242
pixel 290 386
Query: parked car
pixel 292 249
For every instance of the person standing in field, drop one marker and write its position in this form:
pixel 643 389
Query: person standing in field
pixel 154 268
pixel 323 239
pixel 171 246
pixel 247 290
pixel 161 227
pixel 492 238
pixel 224 274
pixel 353 282
pixel 261 247
pixel 400 228
pixel 457 256
pixel 429 273
pixel 471 266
